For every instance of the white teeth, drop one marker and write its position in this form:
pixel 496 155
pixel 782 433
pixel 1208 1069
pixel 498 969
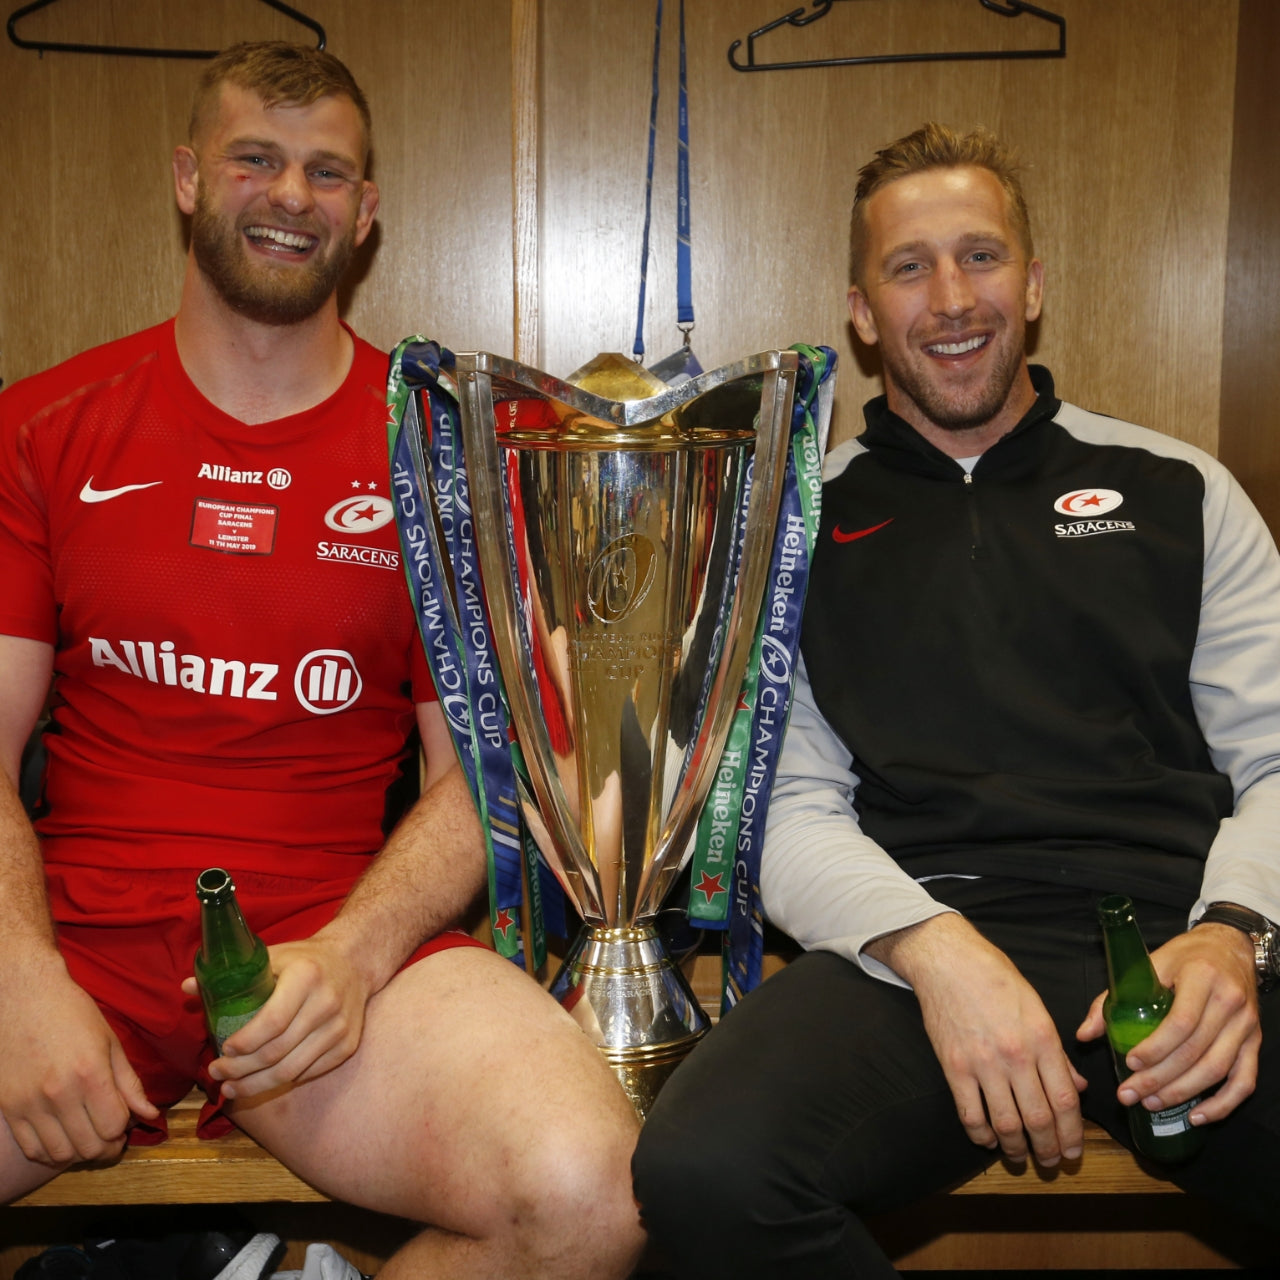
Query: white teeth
pixel 957 348
pixel 289 239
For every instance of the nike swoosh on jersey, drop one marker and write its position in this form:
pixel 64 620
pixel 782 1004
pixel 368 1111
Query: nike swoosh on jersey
pixel 841 536
pixel 90 494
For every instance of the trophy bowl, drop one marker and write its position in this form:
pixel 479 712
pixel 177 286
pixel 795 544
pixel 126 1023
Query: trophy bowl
pixel 624 531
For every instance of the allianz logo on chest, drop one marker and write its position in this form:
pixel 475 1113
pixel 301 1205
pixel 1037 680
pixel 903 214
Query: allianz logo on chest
pixel 324 680
pixel 275 478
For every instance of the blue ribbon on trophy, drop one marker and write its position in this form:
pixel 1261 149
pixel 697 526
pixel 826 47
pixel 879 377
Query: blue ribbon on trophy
pixel 433 516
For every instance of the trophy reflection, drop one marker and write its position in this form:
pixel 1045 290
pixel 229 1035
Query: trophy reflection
pixel 624 530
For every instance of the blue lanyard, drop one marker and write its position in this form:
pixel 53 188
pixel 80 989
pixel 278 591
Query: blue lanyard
pixel 684 260
pixel 684 256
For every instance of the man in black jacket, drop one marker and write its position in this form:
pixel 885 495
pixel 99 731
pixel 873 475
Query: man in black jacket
pixel 1041 665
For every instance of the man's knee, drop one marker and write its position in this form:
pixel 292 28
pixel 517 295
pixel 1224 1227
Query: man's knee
pixel 573 1183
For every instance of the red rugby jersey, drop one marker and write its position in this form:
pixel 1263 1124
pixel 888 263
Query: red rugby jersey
pixel 236 656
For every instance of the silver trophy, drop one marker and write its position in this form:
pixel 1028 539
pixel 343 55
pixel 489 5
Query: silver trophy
pixel 624 531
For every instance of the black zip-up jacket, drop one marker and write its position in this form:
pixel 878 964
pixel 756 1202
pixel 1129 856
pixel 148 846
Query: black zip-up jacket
pixel 1016 661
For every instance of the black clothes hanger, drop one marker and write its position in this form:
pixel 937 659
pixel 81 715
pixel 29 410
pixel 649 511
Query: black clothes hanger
pixel 41 46
pixel 799 18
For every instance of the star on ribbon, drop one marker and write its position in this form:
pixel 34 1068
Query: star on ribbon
pixel 710 885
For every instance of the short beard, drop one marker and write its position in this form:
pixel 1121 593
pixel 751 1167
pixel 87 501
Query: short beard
pixel 256 291
pixel 961 411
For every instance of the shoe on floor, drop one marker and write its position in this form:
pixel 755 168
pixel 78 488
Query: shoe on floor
pixel 237 1253
pixel 254 1260
pixel 60 1262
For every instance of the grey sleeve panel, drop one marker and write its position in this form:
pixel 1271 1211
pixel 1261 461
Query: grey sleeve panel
pixel 1235 670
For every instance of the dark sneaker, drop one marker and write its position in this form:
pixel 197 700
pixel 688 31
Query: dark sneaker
pixel 235 1254
pixel 61 1262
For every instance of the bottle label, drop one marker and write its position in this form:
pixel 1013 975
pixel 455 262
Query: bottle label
pixel 228 1024
pixel 1173 1120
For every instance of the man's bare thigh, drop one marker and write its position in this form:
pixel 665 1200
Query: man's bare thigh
pixel 463 1063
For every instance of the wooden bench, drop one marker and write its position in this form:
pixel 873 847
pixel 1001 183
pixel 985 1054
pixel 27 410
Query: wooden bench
pixel 182 1170
pixel 1123 1214
pixel 235 1170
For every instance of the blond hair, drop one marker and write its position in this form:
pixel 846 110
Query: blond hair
pixel 936 146
pixel 279 73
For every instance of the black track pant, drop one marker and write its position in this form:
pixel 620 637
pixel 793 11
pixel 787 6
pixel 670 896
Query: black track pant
pixel 819 1100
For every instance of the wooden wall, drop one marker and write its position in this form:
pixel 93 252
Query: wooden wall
pixel 1128 140
pixel 92 247
pixel 1128 143
pixel 1249 440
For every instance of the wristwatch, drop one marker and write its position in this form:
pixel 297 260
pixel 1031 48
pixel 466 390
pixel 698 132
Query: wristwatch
pixel 1264 935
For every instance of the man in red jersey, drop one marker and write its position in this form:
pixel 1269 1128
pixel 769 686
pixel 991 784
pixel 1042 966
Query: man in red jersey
pixel 199 552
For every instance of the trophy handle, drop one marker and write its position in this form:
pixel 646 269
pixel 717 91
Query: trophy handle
pixel 773 434
pixel 490 505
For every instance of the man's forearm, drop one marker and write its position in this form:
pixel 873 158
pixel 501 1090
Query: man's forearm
pixel 931 944
pixel 28 928
pixel 425 878
pixel 25 670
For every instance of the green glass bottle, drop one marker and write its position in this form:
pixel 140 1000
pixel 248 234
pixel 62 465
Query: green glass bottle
pixel 1136 1004
pixel 232 968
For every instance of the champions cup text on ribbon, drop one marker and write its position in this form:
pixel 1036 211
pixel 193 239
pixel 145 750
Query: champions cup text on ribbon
pixel 725 874
pixel 432 499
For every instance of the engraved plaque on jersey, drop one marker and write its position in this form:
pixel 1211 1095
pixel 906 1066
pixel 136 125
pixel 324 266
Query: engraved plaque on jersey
pixel 241 528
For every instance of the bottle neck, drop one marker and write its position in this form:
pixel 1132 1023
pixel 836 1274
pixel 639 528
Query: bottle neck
pixel 1131 977
pixel 223 931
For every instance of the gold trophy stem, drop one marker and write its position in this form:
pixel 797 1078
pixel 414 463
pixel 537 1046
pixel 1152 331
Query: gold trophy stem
pixel 624 990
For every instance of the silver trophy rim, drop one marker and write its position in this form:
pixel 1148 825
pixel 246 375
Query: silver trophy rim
pixel 623 413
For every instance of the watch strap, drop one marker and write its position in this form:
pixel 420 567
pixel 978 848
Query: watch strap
pixel 1261 931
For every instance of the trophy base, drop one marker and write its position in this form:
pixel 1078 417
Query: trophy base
pixel 631 998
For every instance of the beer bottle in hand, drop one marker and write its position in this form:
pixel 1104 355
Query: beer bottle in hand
pixel 232 968
pixel 1135 1006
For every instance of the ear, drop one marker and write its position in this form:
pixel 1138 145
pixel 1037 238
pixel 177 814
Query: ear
pixel 186 178
pixel 864 322
pixel 369 200
pixel 1035 288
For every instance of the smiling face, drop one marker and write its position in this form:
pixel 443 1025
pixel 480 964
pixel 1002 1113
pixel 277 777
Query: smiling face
pixel 947 295
pixel 278 202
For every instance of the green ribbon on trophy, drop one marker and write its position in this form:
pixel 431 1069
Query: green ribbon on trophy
pixel 724 887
